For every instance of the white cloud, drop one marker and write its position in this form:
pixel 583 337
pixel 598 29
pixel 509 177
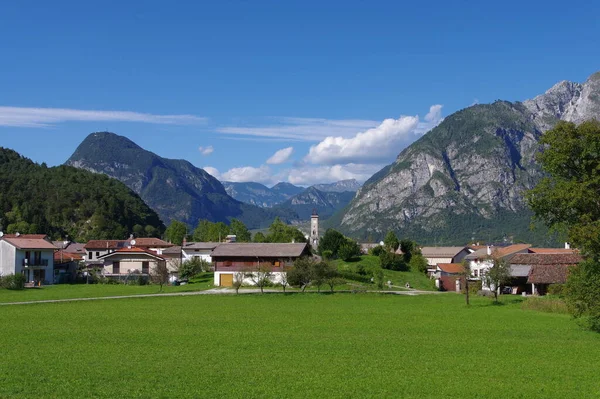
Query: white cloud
pixel 206 150
pixel 376 145
pixel 281 156
pixel 214 172
pixel 328 174
pixel 302 129
pixel 44 117
pixel 261 174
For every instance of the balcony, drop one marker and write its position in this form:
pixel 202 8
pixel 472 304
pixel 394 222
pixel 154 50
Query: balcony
pixel 34 262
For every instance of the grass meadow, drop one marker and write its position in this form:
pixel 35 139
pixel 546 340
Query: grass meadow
pixel 297 345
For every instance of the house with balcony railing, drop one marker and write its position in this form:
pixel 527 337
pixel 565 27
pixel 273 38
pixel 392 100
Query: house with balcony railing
pixel 29 254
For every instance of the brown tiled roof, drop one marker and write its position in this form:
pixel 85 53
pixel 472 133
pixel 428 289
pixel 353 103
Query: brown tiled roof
pixel 546 259
pixel 176 249
pixel 65 256
pixel 548 274
pixel 201 245
pixel 28 241
pixel 441 252
pixel 452 268
pixel 151 242
pixel 553 251
pixel 291 250
pixel 498 252
pixel 105 244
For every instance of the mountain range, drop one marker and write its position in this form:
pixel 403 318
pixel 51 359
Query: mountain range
pixel 175 189
pixel 465 179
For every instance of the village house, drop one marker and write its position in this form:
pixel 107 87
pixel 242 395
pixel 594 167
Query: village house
pixel 532 273
pixel 449 276
pixel 29 254
pixel 483 259
pixel 435 255
pixel 229 259
pixel 202 250
pixel 129 261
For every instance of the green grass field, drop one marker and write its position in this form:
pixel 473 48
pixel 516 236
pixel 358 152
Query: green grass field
pixel 298 345
pixel 203 281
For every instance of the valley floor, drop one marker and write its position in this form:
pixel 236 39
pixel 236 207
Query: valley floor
pixel 303 345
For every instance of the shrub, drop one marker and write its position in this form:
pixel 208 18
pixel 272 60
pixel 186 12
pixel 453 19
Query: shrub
pixel 557 289
pixel 418 263
pixel 193 267
pixel 349 275
pixel 13 282
pixel 474 288
pixel 327 254
pixel 377 250
pixel 391 261
pixel 349 250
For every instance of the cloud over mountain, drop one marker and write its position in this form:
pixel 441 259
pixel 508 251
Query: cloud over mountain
pixel 281 156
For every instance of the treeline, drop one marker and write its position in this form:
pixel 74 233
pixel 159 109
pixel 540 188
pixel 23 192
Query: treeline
pixel 207 231
pixel 65 202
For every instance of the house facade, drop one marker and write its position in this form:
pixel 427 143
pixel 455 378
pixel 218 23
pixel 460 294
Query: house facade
pixel 444 255
pixel 202 250
pixel 29 254
pixel 130 261
pixel 482 260
pixel 237 258
pixel 535 272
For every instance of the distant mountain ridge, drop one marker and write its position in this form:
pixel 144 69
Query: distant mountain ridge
pixel 175 189
pixel 339 186
pixel 325 203
pixel 260 195
pixel 466 177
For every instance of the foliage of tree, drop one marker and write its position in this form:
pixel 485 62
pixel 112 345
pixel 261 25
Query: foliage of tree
pixel 391 242
pixel 301 274
pixel 376 250
pixel 260 275
pixel 567 199
pixel 408 248
pixel 64 201
pixel 259 237
pixel 240 230
pixel 392 261
pixel 497 275
pixel 160 274
pixel 332 276
pixel 319 274
pixel 193 267
pixel 238 280
pixel 379 278
pixel 331 241
pixel 176 232
pixel 349 250
pixel 281 232
pixel 418 263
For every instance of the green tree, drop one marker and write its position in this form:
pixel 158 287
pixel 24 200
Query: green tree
pixel 202 231
pixel 567 200
pixel 391 241
pixel 348 250
pixel 176 232
pixel 280 232
pixel 217 232
pixel 408 248
pixel 331 241
pixel 259 237
pixel 301 274
pixel 240 230
pixel 497 275
pixel 418 263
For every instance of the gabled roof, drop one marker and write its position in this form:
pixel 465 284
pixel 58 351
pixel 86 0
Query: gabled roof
pixel 28 241
pixel 451 268
pixel 441 252
pixel 105 244
pixel 520 270
pixel 498 252
pixel 64 256
pixel 176 249
pixel 274 250
pixel 546 259
pixel 553 251
pixel 151 242
pixel 132 251
pixel 201 245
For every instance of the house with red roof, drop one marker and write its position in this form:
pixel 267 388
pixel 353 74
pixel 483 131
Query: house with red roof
pixel 29 254
pixel 482 259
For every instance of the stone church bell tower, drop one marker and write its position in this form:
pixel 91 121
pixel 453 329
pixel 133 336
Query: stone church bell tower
pixel 314 229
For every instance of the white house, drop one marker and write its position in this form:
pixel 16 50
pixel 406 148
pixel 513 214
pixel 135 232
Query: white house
pixel 29 254
pixel 435 255
pixel 130 260
pixel 482 260
pixel 200 250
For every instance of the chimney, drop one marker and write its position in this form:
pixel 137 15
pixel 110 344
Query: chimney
pixel 293 241
pixel 567 245
pixel 489 250
pixel 184 242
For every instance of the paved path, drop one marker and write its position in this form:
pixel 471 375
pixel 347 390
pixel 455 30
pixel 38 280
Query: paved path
pixel 214 291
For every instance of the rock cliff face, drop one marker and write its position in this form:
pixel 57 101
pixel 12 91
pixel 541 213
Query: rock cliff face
pixel 174 188
pixel 339 187
pixel 466 178
pixel 325 203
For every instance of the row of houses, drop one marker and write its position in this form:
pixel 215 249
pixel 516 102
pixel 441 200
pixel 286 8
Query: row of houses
pixel 532 270
pixel 46 262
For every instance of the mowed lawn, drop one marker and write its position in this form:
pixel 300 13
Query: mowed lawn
pixel 298 345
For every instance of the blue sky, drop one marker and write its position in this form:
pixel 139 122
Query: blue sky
pixel 340 83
